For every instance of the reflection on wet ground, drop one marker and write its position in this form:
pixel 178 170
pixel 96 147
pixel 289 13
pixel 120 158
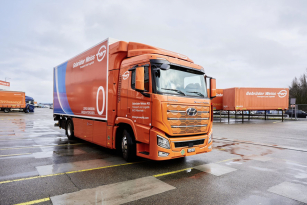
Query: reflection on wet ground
pixel 39 163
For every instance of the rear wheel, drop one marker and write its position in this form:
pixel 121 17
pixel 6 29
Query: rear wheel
pixel 6 110
pixel 128 146
pixel 70 129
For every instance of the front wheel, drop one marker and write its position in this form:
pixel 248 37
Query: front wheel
pixel 6 110
pixel 70 130
pixel 128 146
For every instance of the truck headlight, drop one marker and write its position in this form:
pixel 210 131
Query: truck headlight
pixel 162 142
pixel 210 138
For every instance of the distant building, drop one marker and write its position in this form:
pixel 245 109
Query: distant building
pixel 4 85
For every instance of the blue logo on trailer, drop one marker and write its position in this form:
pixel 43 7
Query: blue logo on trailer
pixel 61 104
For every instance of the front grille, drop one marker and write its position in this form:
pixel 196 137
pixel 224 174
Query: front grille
pixel 189 143
pixel 182 123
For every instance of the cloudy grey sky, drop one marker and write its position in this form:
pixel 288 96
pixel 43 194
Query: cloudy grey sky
pixel 241 43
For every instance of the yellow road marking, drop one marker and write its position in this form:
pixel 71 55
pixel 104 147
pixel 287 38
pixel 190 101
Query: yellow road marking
pixel 181 170
pixel 48 199
pixel 9 155
pixel 167 173
pixel 228 159
pixel 8 148
pixel 51 175
pixel 35 201
pixel 13 139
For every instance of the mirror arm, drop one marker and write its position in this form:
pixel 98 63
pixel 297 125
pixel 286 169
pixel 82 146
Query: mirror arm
pixel 143 93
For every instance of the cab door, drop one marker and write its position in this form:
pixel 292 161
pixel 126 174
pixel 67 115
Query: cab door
pixel 139 105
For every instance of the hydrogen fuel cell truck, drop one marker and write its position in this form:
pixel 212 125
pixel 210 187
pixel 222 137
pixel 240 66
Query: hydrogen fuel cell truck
pixel 142 100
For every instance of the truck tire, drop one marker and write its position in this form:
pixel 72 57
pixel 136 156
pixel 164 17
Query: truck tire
pixel 27 110
pixel 70 130
pixel 128 146
pixel 6 110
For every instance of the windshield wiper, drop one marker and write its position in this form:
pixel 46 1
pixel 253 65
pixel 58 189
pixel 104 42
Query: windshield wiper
pixel 198 93
pixel 178 91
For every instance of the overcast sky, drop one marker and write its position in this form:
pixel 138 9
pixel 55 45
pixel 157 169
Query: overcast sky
pixel 241 43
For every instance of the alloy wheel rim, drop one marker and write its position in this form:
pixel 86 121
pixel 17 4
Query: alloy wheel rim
pixel 124 145
pixel 68 130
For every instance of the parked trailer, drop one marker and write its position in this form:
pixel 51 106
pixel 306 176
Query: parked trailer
pixel 137 98
pixel 15 100
pixel 217 102
pixel 255 99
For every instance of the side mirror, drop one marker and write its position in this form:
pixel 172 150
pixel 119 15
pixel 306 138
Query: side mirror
pixel 139 78
pixel 212 88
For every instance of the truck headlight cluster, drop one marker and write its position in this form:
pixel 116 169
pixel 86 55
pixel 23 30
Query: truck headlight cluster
pixel 162 142
pixel 210 138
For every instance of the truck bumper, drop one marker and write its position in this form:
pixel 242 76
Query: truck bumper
pixel 179 151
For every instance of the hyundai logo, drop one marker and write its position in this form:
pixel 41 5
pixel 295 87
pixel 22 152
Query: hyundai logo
pixel 191 111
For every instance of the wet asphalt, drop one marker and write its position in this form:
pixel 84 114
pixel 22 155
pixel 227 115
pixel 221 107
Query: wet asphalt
pixel 38 164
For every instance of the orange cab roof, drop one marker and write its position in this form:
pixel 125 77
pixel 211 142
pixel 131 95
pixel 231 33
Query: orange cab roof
pixel 135 49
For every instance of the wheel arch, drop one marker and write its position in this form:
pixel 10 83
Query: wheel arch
pixel 122 125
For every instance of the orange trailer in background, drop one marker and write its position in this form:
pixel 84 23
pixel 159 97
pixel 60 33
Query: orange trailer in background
pixel 217 102
pixel 256 99
pixel 12 100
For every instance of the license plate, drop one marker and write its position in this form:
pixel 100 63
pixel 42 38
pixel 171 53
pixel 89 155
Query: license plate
pixel 191 150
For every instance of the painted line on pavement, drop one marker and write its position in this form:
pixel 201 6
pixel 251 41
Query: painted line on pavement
pixel 167 173
pixel 117 193
pixel 181 170
pixel 35 201
pixel 10 155
pixel 51 175
pixel 9 148
pixel 266 145
pixel 73 194
pixel 295 162
pixel 215 169
pixel 290 190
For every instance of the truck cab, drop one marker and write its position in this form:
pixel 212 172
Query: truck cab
pixel 165 97
pixel 29 105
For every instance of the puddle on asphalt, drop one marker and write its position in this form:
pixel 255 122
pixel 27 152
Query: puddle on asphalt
pixel 244 151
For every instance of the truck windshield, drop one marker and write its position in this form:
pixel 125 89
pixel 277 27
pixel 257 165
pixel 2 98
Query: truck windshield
pixel 177 81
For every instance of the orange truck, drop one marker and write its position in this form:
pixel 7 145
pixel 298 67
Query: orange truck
pixel 255 99
pixel 12 100
pixel 142 100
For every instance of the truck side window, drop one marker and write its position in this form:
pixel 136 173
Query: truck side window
pixel 146 79
pixel 133 79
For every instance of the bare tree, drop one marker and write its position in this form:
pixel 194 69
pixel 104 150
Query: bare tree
pixel 298 89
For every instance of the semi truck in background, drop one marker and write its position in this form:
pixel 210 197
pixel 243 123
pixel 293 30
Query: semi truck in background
pixel 14 100
pixel 142 100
